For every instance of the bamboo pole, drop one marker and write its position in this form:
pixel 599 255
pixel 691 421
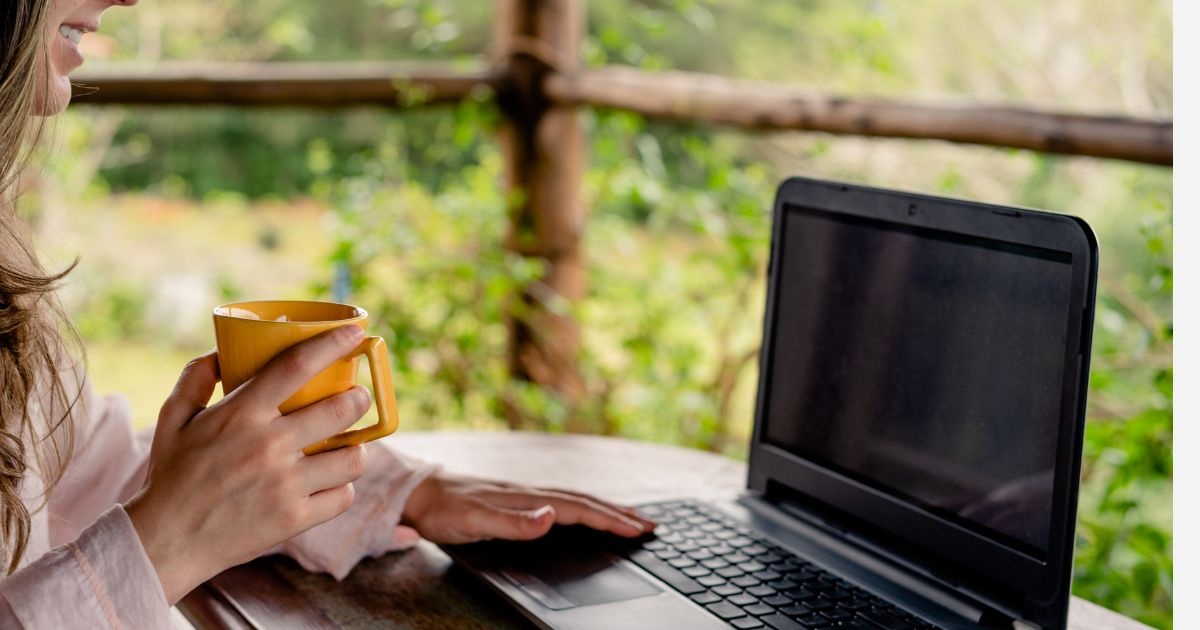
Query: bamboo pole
pixel 282 84
pixel 682 96
pixel 704 98
pixel 543 146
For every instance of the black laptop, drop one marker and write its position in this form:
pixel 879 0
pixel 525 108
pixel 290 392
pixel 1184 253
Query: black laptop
pixel 917 440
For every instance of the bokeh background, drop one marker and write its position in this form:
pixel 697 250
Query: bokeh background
pixel 174 210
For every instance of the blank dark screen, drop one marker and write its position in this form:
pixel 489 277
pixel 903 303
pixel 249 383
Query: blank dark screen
pixel 924 364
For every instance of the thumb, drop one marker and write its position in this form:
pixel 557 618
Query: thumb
pixel 512 524
pixel 192 392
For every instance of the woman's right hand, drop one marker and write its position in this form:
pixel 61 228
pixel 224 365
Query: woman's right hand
pixel 228 482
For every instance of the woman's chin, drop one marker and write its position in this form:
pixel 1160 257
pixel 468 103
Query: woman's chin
pixel 54 99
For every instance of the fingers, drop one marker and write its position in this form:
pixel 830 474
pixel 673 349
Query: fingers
pixel 332 469
pixel 626 510
pixel 326 418
pixel 575 510
pixel 192 392
pixel 297 365
pixel 327 504
pixel 492 521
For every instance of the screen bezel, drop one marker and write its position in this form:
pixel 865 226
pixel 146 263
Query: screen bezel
pixel 992 564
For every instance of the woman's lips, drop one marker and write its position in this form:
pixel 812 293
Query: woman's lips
pixel 69 36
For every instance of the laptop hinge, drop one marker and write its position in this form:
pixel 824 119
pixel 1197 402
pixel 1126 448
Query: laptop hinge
pixel 876 560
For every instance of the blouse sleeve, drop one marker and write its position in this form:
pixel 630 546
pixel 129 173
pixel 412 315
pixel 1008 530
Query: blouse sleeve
pixel 108 465
pixel 371 527
pixel 101 580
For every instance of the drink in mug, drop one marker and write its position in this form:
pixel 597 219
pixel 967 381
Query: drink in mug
pixel 250 334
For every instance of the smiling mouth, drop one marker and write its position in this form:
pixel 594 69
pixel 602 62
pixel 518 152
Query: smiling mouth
pixel 72 33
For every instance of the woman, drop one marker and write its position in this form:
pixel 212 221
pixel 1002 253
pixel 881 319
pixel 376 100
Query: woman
pixel 102 528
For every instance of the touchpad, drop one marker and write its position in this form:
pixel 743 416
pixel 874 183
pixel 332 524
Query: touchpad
pixel 565 584
pixel 566 569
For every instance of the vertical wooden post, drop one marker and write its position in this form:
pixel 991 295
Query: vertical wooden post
pixel 543 147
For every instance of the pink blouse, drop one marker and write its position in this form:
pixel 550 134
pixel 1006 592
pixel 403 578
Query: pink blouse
pixel 85 567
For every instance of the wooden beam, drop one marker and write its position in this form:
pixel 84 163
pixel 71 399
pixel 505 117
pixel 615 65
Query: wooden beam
pixel 282 84
pixel 543 146
pixel 704 98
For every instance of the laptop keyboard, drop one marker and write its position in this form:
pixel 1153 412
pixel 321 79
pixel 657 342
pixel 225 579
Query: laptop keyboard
pixel 751 583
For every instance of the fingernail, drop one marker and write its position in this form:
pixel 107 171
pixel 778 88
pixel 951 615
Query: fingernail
pixel 537 514
pixel 356 332
pixel 363 395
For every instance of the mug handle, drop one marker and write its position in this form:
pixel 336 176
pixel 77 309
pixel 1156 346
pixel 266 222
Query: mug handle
pixel 385 400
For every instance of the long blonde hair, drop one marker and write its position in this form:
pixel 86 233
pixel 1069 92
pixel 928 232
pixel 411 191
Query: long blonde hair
pixel 33 327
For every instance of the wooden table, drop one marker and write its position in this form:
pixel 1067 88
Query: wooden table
pixel 421 588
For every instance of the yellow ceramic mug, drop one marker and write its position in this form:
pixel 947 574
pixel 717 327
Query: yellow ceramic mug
pixel 250 334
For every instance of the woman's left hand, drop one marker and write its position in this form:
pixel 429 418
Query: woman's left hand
pixel 456 509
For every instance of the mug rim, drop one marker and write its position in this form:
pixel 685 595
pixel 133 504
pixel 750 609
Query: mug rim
pixel 360 312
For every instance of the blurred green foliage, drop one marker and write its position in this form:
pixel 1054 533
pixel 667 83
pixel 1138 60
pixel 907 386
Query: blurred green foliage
pixel 679 216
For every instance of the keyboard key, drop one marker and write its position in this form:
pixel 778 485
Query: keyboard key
pixel 746 623
pixel 751 566
pixel 653 510
pixel 779 600
pixel 762 590
pixel 820 604
pixel 699 554
pixel 666 573
pixel 740 541
pixel 755 550
pixel 711 580
pixel 655 545
pixel 743 599
pixel 798 610
pixel 882 619
pixel 695 572
pixel 800 594
pixel 838 614
pixel 800 574
pixel 766 558
pixel 736 558
pixel 721 549
pixel 725 610
pixel 766 575
pixel 779 622
pixel 683 563
pixel 686 546
pixel 782 584
pixel 666 554
pixel 730 572
pixel 714 563
pixel 706 598
pixel 759 610
pixel 814 621
pixel 838 595
pixel 724 534
pixel 727 590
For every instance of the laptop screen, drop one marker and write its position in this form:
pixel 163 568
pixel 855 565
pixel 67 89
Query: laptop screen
pixel 925 364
